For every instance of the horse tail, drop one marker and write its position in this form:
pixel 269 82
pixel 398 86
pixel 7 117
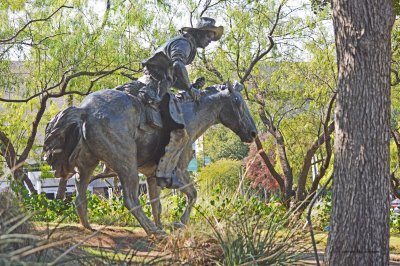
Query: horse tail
pixel 63 140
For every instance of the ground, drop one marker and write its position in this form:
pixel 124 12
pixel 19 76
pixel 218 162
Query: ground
pixel 113 245
pixel 126 244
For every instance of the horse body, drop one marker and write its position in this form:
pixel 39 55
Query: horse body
pixel 108 127
pixel 114 116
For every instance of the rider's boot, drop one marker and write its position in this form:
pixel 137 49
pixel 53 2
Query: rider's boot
pixel 172 182
pixel 166 176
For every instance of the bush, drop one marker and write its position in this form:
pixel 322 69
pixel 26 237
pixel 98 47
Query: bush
pixel 251 231
pixel 173 207
pixel 224 172
pixel 100 210
pixel 259 239
pixel 46 210
pixel 321 212
pixel 234 231
pixel 394 222
pixel 18 244
pixel 12 221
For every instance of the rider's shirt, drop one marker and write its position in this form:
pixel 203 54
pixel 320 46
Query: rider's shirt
pixel 181 48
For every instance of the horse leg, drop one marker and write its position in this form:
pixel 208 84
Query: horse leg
pixel 154 194
pixel 62 186
pixel 188 188
pixel 191 194
pixel 81 184
pixel 128 176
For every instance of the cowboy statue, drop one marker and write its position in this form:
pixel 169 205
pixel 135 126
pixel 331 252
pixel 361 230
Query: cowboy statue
pixel 168 68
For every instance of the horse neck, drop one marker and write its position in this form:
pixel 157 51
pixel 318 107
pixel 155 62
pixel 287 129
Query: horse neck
pixel 199 117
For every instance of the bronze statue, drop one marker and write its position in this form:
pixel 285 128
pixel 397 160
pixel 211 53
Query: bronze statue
pixel 110 126
pixel 181 51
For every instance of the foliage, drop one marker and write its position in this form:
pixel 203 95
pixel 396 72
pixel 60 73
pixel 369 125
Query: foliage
pixel 220 143
pixel 173 206
pixel 100 210
pixel 250 231
pixel 52 53
pixel 46 171
pixel 224 172
pixel 47 210
pixel 394 222
pixel 321 212
pixel 231 230
pixel 18 243
pixel 221 204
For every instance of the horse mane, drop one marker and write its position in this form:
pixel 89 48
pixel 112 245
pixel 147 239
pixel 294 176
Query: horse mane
pixel 134 86
pixel 183 96
pixel 211 90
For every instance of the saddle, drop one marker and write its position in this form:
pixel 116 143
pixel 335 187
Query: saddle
pixel 138 89
pixel 154 89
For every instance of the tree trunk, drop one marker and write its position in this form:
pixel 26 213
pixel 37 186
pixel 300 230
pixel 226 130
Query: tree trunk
pixel 62 188
pixel 29 184
pixel 360 200
pixel 20 176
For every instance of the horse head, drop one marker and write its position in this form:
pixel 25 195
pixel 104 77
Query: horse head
pixel 235 114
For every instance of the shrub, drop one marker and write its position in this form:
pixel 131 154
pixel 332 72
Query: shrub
pixel 100 210
pixel 173 207
pixel 46 210
pixel 236 231
pixel 251 231
pixel 321 213
pixel 18 245
pixel 394 222
pixel 12 221
pixel 224 172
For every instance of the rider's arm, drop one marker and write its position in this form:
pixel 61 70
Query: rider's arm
pixel 180 52
pixel 182 77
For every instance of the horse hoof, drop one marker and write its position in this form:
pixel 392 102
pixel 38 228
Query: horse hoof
pixel 158 235
pixel 160 226
pixel 87 227
pixel 178 225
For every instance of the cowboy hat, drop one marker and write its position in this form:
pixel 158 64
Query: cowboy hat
pixel 206 24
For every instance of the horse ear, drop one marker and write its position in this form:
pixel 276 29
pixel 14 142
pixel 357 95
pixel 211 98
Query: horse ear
pixel 237 86
pixel 229 86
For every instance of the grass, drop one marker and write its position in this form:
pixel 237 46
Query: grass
pixel 394 243
pixel 62 225
pixel 322 240
pixel 127 257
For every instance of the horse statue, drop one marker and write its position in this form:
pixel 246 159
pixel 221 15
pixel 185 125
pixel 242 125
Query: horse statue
pixel 110 126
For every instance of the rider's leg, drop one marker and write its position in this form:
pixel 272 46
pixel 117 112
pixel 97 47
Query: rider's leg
pixel 167 164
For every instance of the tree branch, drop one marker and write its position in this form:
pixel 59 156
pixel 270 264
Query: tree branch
pixel 64 84
pixel 34 128
pixel 271 168
pixel 33 21
pixel 286 168
pixel 102 175
pixel 324 138
pixel 8 151
pixel 397 77
pixel 271 45
pixel 210 67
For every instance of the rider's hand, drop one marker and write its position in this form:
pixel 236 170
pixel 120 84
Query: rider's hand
pixel 199 83
pixel 194 93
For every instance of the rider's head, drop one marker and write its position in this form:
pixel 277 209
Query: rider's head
pixel 205 32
